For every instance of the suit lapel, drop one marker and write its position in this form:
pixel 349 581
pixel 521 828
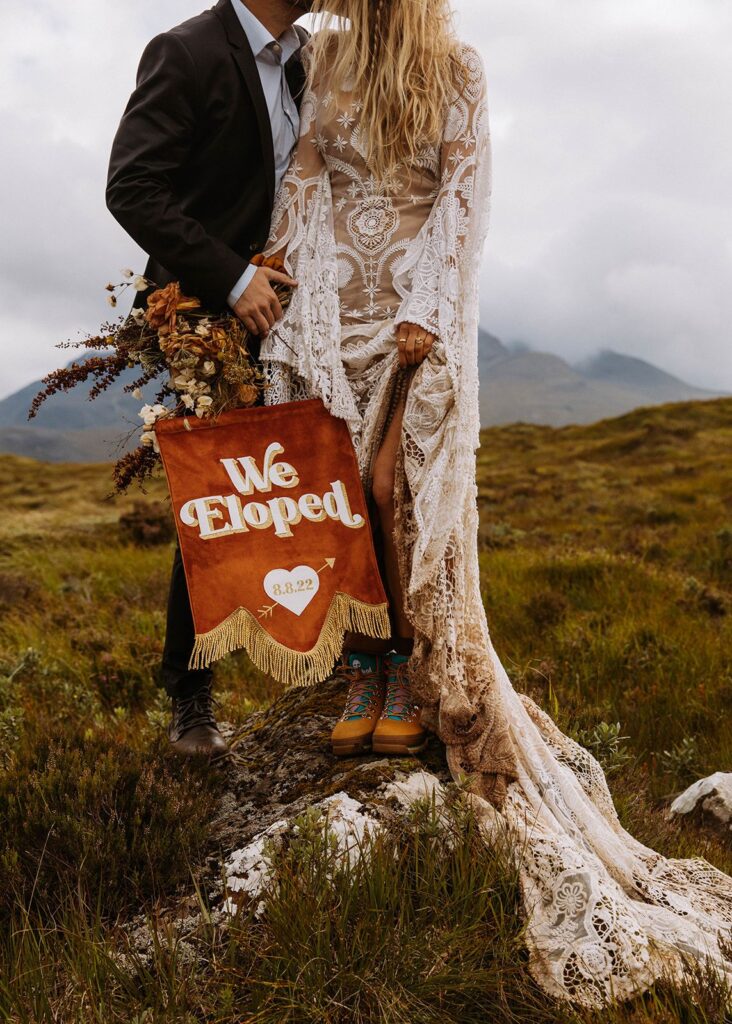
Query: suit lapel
pixel 242 53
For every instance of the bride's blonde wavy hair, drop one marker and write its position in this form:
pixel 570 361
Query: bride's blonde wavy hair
pixel 402 58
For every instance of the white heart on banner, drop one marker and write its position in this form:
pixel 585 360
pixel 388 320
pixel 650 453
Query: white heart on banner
pixel 293 589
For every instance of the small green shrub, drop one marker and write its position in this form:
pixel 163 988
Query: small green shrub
pixel 683 762
pixel 607 744
pixel 499 535
pixel 127 683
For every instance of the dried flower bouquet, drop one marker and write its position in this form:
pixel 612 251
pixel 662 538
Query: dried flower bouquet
pixel 206 356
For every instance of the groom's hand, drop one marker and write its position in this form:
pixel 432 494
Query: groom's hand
pixel 414 343
pixel 258 307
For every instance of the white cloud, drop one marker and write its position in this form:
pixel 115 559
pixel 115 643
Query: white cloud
pixel 612 157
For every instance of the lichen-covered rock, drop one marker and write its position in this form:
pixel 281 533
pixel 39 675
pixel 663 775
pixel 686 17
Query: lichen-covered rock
pixel 281 767
pixel 708 800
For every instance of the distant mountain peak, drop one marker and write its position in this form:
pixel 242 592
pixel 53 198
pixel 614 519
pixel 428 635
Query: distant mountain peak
pixel 489 346
pixel 609 365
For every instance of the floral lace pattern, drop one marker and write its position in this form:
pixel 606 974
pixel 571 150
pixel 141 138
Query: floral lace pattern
pixel 605 915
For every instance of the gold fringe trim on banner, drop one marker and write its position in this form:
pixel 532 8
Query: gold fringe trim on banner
pixel 292 668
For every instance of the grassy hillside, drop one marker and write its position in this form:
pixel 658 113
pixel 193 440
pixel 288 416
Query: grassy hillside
pixel 607 572
pixel 606 555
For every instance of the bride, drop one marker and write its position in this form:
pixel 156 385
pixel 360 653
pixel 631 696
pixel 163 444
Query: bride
pixel 381 219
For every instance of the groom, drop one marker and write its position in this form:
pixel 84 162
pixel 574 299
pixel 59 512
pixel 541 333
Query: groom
pixel 201 149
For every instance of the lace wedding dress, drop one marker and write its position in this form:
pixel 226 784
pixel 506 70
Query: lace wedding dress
pixel 605 915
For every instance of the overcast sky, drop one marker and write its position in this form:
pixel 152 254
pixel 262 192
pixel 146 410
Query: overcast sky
pixel 611 221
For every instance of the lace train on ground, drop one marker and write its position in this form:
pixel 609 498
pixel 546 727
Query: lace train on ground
pixel 606 916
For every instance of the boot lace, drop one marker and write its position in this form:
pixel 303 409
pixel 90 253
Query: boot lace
pixel 399 704
pixel 363 688
pixel 198 709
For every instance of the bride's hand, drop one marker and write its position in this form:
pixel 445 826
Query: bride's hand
pixel 414 343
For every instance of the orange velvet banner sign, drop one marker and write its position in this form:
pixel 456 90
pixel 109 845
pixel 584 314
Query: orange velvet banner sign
pixel 275 537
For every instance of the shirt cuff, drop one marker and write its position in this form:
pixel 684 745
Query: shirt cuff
pixel 241 285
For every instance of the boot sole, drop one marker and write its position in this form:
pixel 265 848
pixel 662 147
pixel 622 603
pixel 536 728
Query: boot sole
pixel 213 756
pixel 382 747
pixel 349 749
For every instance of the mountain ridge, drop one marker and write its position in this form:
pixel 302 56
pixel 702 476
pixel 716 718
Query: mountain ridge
pixel 526 385
pixel 517 385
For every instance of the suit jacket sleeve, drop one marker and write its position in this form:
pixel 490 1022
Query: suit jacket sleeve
pixel 154 139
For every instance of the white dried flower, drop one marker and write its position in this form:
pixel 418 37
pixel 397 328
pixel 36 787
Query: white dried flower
pixel 183 380
pixel 202 405
pixel 203 330
pixel 209 368
pixel 127 273
pixel 149 414
pixel 149 440
pixel 138 315
pixel 111 299
pixel 188 401
pixel 139 283
pixel 137 393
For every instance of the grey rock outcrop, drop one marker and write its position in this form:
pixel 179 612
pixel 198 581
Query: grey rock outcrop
pixel 709 800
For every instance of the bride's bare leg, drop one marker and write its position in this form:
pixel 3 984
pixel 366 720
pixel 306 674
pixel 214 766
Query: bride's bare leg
pixel 383 492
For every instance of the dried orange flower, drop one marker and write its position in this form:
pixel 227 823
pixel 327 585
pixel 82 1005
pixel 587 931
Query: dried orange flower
pixel 164 305
pixel 248 394
pixel 192 344
pixel 219 340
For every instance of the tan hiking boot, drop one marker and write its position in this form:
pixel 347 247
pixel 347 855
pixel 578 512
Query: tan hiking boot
pixel 364 701
pixel 398 730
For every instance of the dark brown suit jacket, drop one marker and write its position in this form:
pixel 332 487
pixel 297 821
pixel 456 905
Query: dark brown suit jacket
pixel 191 175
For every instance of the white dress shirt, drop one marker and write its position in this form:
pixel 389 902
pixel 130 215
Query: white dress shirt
pixel 271 55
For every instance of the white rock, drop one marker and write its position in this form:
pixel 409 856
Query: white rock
pixel 416 786
pixel 714 794
pixel 249 870
pixel 348 823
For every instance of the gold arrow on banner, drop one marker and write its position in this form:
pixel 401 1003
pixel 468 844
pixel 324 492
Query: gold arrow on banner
pixel 266 610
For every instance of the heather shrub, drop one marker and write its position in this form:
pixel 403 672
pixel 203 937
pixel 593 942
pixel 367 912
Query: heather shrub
pixel 87 812
pixel 147 524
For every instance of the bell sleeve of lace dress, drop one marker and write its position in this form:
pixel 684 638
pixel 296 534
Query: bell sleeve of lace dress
pixel 438 279
pixel 438 275
pixel 301 354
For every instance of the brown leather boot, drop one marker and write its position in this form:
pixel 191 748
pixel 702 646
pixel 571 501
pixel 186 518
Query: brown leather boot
pixel 193 730
pixel 398 730
pixel 351 734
